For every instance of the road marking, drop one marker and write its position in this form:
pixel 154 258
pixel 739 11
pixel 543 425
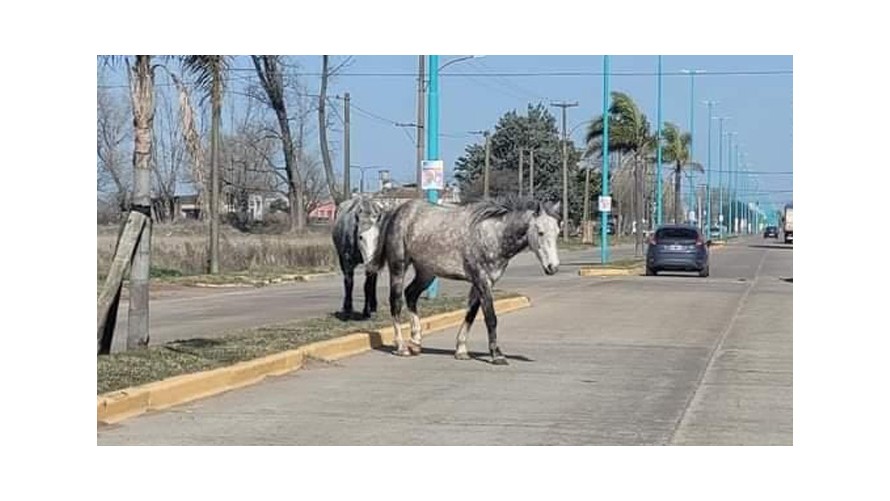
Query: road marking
pixel 717 346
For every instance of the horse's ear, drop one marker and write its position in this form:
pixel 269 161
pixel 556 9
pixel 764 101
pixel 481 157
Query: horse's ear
pixel 554 210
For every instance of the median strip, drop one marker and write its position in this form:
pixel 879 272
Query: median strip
pixel 115 406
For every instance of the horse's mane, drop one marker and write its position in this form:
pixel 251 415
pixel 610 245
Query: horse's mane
pixel 489 209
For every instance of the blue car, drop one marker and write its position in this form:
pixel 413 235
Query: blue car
pixel 677 248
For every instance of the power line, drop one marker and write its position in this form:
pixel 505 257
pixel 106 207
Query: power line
pixel 553 73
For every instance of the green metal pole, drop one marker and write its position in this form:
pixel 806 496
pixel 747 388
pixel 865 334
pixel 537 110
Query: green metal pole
pixel 707 213
pixel 604 216
pixel 720 218
pixel 432 152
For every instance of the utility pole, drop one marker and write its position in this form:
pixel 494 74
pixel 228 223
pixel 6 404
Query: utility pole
pixel 521 155
pixel 347 186
pixel 487 162
pixel 421 91
pixel 565 168
pixel 531 172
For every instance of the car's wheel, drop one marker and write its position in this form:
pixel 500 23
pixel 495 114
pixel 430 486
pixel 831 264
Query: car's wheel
pixel 651 272
pixel 705 272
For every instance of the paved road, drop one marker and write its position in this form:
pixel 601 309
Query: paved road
pixel 673 359
pixel 203 312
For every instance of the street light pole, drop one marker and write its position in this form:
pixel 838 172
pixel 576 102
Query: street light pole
pixel 692 74
pixel 565 168
pixel 432 153
pixel 658 187
pixel 708 213
pixel 720 221
pixel 604 216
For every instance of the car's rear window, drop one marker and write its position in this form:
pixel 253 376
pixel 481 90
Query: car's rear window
pixel 676 233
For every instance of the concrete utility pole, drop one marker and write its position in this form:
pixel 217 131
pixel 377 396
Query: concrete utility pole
pixel 521 155
pixel 565 168
pixel 421 95
pixel 487 162
pixel 531 173
pixel 347 187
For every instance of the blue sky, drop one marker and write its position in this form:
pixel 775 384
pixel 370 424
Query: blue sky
pixel 760 105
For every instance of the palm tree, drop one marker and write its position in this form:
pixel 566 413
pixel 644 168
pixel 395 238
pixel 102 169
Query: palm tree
pixel 676 151
pixel 629 134
pixel 209 73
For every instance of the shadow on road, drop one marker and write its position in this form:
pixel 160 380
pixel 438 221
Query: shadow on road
pixel 772 246
pixel 475 355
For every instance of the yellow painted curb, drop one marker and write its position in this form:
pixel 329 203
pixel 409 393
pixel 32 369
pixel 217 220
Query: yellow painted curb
pixel 116 406
pixel 609 272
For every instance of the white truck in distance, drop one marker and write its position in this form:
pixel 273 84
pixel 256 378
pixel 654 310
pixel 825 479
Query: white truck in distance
pixel 788 224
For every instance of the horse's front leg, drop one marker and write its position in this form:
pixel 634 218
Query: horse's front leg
pixel 347 286
pixel 370 294
pixel 491 322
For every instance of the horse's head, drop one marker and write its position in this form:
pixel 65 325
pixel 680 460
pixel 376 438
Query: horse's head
pixel 543 231
pixel 368 225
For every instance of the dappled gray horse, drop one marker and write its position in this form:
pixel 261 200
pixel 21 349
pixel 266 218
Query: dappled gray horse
pixel 355 234
pixel 473 243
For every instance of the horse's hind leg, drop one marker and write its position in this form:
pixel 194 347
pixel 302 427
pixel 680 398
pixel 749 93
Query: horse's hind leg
pixel 370 294
pixel 412 294
pixel 396 283
pixel 461 352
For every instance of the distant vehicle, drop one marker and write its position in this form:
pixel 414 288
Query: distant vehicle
pixel 771 232
pixel 677 248
pixel 788 224
pixel 717 231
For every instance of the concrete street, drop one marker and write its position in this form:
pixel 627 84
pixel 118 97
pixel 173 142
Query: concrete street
pixel 213 312
pixel 667 360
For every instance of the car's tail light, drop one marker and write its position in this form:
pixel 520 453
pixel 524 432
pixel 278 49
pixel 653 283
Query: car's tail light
pixel 699 242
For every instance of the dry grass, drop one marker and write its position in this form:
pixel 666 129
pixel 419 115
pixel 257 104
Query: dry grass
pixel 133 368
pixel 181 249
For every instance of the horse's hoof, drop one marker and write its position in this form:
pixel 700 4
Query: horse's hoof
pixel 462 355
pixel 499 361
pixel 414 348
pixel 402 352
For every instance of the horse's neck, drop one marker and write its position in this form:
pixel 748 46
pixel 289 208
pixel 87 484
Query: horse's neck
pixel 514 238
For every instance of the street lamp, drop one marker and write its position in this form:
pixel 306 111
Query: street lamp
pixel 432 153
pixel 708 215
pixel 604 215
pixel 363 169
pixel 658 181
pixel 720 174
pixel 691 73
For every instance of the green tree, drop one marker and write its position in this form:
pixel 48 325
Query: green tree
pixel 537 131
pixel 629 134
pixel 676 151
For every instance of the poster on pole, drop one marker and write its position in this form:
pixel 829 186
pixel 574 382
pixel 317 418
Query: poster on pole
pixel 605 204
pixel 432 175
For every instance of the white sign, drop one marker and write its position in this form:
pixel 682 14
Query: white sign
pixel 605 204
pixel 433 175
pixel 720 218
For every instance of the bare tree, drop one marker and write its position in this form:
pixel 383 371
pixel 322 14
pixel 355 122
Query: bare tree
pixel 268 70
pixel 169 156
pixel 112 132
pixel 326 74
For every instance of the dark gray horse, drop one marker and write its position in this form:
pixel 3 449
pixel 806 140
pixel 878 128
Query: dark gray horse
pixel 473 243
pixel 355 238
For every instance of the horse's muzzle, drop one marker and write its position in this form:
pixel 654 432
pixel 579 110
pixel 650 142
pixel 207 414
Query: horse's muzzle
pixel 551 269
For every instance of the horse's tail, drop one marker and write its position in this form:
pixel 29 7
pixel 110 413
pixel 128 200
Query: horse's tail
pixel 378 258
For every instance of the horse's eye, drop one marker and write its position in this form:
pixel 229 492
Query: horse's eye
pixel 360 237
pixel 540 233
